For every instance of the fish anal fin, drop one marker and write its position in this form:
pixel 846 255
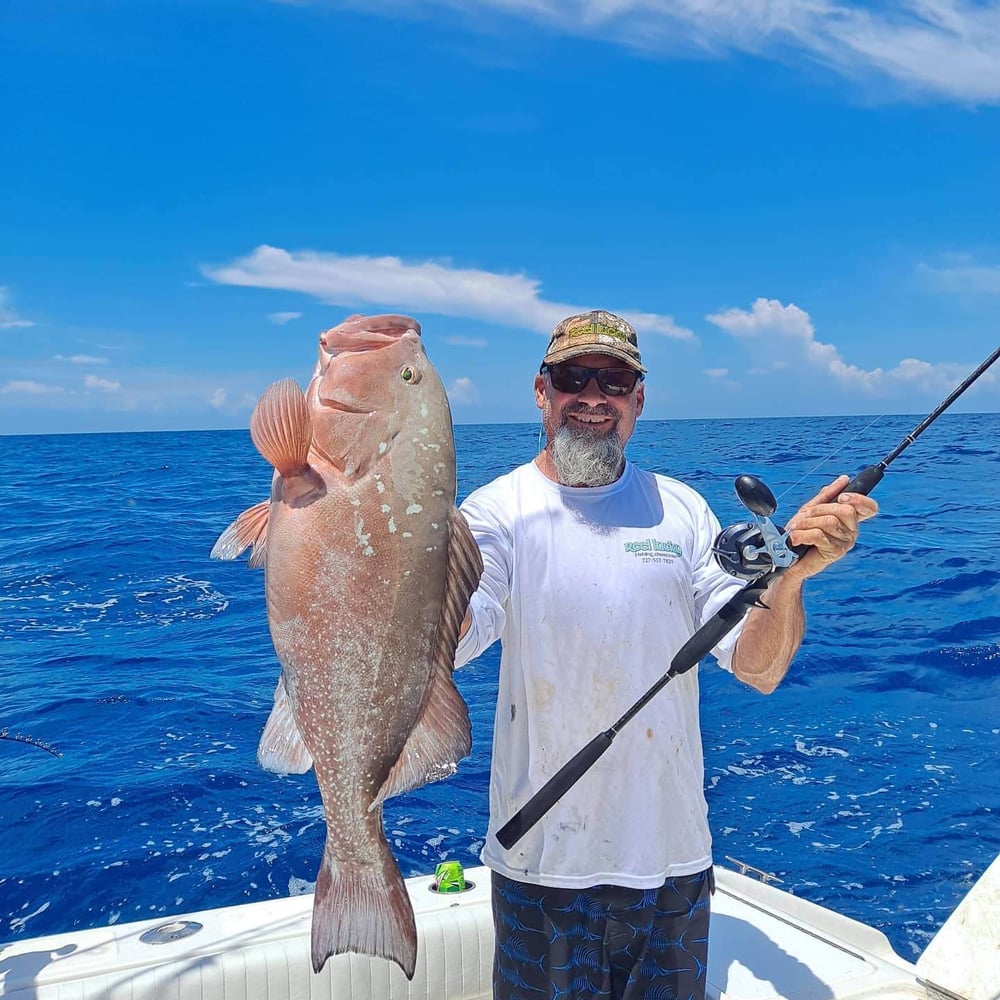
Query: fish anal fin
pixel 363 908
pixel 250 528
pixel 442 735
pixel 281 748
pixel 281 427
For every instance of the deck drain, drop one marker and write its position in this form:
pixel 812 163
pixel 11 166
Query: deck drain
pixel 172 931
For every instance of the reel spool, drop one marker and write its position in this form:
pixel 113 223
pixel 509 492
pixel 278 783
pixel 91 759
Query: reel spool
pixel 739 550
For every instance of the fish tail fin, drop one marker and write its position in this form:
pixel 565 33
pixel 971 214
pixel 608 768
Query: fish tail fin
pixel 365 909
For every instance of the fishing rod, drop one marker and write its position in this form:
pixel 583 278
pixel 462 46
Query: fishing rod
pixel 758 552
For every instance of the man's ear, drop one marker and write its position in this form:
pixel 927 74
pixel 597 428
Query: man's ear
pixel 640 398
pixel 540 391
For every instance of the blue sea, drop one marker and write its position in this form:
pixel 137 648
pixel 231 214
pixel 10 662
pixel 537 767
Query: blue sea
pixel 868 782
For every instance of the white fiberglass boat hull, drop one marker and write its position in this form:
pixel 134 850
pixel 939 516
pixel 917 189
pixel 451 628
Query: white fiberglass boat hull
pixel 765 943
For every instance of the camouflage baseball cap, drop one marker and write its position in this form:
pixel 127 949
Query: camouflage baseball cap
pixel 594 332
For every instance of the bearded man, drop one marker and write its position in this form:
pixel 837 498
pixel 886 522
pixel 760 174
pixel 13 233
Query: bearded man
pixel 596 573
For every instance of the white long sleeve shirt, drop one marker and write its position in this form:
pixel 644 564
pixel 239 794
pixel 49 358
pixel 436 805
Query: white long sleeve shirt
pixel 592 591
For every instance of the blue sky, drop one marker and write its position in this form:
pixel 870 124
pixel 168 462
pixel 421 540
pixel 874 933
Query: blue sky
pixel 797 203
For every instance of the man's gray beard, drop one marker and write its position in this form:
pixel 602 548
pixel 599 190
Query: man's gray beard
pixel 583 458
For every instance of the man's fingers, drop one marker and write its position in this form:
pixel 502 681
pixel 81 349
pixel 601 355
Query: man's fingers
pixel 829 524
pixel 829 492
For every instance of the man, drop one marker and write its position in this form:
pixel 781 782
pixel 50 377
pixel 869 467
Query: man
pixel 596 572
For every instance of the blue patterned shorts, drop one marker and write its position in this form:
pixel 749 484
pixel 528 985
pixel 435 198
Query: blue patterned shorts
pixel 605 941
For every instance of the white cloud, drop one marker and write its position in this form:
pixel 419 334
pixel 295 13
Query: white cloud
pixel 427 287
pixel 218 399
pixel 787 334
pixel 104 384
pixel 81 359
pixel 281 318
pixel 944 48
pixel 28 387
pixel 8 317
pixel 963 275
pixel 716 372
pixel 462 390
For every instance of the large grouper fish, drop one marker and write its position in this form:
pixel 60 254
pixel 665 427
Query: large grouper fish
pixel 369 568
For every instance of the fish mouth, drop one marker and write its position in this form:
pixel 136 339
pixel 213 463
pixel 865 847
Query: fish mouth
pixel 368 333
pixel 340 406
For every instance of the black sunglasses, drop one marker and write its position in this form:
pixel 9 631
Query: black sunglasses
pixel 575 378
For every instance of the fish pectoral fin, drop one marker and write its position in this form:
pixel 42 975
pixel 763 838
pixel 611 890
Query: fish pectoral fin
pixel 250 528
pixel 442 735
pixel 281 427
pixel 281 748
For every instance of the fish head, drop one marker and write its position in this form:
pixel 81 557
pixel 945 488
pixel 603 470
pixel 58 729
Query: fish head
pixel 372 380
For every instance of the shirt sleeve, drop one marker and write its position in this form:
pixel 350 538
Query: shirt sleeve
pixel 488 604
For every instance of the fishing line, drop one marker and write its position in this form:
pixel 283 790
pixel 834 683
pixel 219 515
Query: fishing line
pixel 6 734
pixel 822 462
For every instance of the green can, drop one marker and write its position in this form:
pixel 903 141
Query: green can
pixel 450 876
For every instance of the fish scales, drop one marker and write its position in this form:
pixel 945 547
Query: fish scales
pixel 369 569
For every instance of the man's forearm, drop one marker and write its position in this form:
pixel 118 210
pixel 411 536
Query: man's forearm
pixel 771 637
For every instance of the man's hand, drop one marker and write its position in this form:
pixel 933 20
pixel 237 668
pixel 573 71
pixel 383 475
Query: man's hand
pixel 829 523
pixel 770 638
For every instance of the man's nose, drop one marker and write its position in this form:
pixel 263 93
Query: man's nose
pixel 592 391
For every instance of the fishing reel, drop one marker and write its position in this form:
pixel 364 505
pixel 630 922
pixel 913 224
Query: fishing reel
pixel 750 548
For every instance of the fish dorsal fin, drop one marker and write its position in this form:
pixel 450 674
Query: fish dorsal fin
pixel 281 748
pixel 442 735
pixel 250 528
pixel 281 427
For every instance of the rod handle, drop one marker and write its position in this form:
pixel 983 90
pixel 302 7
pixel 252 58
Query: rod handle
pixel 553 790
pixel 866 480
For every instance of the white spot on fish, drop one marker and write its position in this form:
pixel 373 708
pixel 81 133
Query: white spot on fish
pixel 380 486
pixel 423 409
pixel 386 508
pixel 362 537
pixel 414 508
pixel 383 447
pixel 407 534
pixel 392 526
pixel 435 526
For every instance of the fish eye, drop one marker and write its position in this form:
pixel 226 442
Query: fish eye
pixel 409 375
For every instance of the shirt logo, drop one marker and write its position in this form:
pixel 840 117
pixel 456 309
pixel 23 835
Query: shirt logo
pixel 653 550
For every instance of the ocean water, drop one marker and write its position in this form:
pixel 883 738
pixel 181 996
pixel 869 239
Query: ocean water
pixel 868 782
